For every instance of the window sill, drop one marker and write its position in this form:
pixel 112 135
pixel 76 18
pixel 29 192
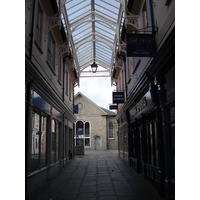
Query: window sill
pixel 37 171
pixel 59 81
pixel 50 66
pixel 39 47
pixel 136 66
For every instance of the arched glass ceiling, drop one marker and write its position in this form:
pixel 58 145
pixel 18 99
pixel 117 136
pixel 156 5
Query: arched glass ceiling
pixel 93 26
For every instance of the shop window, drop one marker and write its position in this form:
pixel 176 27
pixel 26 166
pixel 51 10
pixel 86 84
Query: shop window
pixel 134 144
pixel 54 140
pixel 38 157
pixel 111 131
pixel 152 144
pixel 51 52
pixel 141 150
pixel 57 141
pixel 43 141
pixel 156 143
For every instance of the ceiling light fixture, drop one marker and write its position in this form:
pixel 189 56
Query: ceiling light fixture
pixel 94 67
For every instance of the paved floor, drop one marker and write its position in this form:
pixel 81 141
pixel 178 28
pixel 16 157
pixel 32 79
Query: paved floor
pixel 98 175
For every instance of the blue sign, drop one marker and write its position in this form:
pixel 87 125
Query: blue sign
pixel 140 45
pixel 75 109
pixel 80 130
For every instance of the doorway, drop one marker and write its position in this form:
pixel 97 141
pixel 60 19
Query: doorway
pixel 97 143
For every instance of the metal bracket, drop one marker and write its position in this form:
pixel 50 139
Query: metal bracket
pixel 131 20
pixel 52 22
pixel 122 47
pixel 119 63
pixel 64 48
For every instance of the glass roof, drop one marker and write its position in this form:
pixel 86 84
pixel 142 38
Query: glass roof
pixel 92 31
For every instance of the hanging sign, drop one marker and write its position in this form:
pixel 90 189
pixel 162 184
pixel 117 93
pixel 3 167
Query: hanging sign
pixel 118 97
pixel 113 107
pixel 140 45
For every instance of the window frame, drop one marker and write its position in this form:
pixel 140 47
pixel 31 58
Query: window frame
pixel 55 154
pixel 60 70
pixel 111 129
pixel 67 83
pixel 51 52
pixel 38 26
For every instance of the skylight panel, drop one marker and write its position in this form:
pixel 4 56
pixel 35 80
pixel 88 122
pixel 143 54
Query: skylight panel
pixel 104 34
pixel 79 14
pixel 87 47
pixel 105 15
pixel 74 6
pixel 93 33
pixel 82 32
pixel 105 57
pixel 104 48
pixel 107 9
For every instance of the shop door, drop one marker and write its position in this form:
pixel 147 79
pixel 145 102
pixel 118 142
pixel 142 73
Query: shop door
pixel 97 143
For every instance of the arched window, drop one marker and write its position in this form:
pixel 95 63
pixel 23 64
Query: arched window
pixel 79 134
pixel 87 134
pixel 82 136
pixel 87 129
pixel 79 128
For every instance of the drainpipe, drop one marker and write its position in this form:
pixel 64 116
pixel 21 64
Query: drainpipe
pixel 32 28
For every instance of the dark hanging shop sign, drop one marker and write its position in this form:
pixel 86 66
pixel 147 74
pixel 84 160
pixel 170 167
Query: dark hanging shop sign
pixel 140 45
pixel 118 97
pixel 113 107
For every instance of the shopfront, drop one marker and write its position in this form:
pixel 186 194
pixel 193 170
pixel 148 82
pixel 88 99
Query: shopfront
pixel 48 141
pixel 151 122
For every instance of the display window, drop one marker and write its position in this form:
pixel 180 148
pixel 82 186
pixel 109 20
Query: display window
pixel 152 143
pixel 55 129
pixel 38 153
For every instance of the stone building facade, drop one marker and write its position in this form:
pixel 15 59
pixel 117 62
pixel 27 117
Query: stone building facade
pixel 96 127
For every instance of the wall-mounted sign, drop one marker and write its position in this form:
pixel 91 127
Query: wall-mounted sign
pixel 143 105
pixel 113 107
pixel 75 109
pixel 118 97
pixel 140 45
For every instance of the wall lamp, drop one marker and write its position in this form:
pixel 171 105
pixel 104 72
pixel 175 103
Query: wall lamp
pixel 94 67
